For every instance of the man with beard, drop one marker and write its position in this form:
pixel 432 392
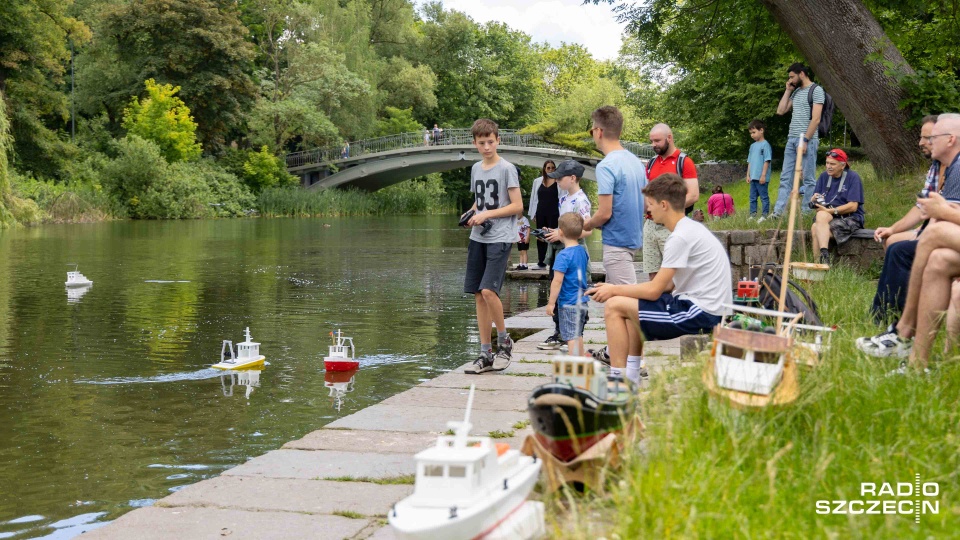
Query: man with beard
pixel 669 159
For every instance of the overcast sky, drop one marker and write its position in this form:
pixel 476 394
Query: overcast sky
pixel 553 21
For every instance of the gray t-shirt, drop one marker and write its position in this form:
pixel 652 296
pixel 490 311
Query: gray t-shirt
pixel 489 189
pixel 800 120
pixel 702 266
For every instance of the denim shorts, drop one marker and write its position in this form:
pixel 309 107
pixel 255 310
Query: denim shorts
pixel 572 320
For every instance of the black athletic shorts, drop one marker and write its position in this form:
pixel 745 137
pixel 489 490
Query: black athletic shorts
pixel 523 246
pixel 486 266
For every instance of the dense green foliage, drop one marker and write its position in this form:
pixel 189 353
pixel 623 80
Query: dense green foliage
pixel 261 78
pixel 723 63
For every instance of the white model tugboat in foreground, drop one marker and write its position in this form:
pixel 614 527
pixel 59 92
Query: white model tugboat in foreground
pixel 76 279
pixel 248 354
pixel 466 487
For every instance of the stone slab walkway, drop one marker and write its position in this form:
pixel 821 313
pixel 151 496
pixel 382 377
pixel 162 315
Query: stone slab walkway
pixel 340 481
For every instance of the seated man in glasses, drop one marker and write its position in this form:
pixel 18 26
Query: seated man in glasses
pixel 838 200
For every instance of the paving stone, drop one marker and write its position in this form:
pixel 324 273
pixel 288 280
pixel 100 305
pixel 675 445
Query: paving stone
pixel 290 495
pixel 486 381
pixel 529 322
pixel 348 440
pixel 318 464
pixel 383 533
pixel 165 523
pixel 427 419
pixel 494 400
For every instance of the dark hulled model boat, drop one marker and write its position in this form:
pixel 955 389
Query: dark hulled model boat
pixel 579 408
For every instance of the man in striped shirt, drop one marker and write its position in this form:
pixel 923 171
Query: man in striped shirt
pixel 802 138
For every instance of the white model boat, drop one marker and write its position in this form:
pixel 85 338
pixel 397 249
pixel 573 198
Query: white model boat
pixel 248 354
pixel 76 279
pixel 466 487
pixel 74 294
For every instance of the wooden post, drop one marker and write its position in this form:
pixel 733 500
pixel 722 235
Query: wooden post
pixel 794 195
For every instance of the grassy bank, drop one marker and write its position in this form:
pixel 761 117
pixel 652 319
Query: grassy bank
pixel 409 197
pixel 885 200
pixel 706 470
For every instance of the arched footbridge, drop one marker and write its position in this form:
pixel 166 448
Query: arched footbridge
pixel 373 164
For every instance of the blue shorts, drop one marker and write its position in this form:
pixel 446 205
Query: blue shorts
pixel 669 317
pixel 572 320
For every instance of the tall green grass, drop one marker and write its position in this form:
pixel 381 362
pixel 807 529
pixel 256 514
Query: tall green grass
pixel 885 200
pixel 707 470
pixel 409 197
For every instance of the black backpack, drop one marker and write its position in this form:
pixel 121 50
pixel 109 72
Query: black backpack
pixel 795 302
pixel 826 115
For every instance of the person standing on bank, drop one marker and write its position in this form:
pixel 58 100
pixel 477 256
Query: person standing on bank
pixel 802 138
pixel 496 190
pixel 544 206
pixel 669 160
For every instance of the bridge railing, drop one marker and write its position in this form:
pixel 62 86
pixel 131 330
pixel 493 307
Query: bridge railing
pixel 449 137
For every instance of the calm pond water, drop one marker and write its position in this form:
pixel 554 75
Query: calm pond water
pixel 108 399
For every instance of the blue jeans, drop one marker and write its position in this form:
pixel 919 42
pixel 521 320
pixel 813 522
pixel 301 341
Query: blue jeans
pixel 759 190
pixel 809 165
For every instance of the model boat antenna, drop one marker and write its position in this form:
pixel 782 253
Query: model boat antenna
pixel 462 429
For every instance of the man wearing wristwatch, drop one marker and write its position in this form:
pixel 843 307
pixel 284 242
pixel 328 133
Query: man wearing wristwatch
pixel 838 200
pixel 802 138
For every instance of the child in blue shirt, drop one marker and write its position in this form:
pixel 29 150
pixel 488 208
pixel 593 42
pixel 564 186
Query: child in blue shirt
pixel 570 276
pixel 758 169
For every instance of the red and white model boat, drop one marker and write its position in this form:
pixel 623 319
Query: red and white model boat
pixel 341 357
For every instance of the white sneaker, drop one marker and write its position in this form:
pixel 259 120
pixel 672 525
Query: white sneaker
pixel 761 219
pixel 885 345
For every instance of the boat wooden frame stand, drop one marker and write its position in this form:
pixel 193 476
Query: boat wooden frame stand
pixel 589 468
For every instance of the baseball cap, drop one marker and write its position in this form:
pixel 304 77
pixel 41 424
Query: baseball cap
pixel 567 168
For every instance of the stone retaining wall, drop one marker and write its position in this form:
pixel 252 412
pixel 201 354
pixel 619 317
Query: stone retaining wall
pixel 711 174
pixel 755 247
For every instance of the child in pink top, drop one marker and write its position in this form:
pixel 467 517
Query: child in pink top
pixel 720 204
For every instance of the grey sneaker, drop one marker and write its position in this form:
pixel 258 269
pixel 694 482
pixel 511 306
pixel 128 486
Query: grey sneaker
pixel 905 369
pixel 501 361
pixel 601 355
pixel 885 344
pixel 482 364
pixel 552 343
pixel 506 347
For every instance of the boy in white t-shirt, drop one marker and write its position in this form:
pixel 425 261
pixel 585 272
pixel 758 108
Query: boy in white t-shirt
pixel 686 296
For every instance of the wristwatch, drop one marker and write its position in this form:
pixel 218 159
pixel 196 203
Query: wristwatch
pixel 805 139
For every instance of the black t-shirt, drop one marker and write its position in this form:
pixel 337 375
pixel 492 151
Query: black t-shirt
pixel 548 206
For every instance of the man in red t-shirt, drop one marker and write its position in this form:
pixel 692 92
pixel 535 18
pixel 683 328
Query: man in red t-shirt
pixel 666 161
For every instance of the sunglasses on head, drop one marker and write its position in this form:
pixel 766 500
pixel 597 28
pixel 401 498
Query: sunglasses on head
pixel 835 155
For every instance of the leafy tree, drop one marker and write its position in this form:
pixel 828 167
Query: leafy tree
pixel 489 71
pixel 34 55
pixel 198 45
pixel 264 170
pixel 163 118
pixel 397 121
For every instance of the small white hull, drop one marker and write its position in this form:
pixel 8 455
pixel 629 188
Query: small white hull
pixel 78 283
pixel 240 364
pixel 479 520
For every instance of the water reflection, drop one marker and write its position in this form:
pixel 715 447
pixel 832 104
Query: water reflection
pixel 144 348
pixel 74 294
pixel 243 377
pixel 339 383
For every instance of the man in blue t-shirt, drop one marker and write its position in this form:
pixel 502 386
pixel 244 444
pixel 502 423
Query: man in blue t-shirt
pixel 621 178
pixel 802 138
pixel 838 200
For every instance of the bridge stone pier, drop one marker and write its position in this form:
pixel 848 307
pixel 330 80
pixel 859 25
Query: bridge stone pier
pixel 378 163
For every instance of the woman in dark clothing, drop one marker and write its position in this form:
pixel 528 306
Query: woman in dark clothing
pixel 545 206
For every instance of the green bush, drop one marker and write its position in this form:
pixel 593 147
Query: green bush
pixel 231 198
pixel 417 196
pixel 181 193
pixel 263 169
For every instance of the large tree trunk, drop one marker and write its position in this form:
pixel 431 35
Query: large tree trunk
pixel 836 36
